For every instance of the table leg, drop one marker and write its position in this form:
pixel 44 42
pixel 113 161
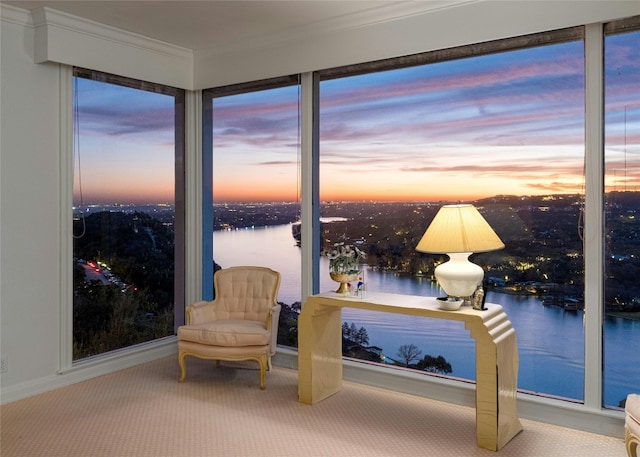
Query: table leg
pixel 319 352
pixel 496 382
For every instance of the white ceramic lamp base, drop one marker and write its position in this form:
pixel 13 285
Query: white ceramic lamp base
pixel 459 277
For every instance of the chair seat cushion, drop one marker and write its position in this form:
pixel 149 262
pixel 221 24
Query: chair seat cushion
pixel 229 333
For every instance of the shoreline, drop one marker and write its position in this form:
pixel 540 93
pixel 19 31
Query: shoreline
pixel 632 316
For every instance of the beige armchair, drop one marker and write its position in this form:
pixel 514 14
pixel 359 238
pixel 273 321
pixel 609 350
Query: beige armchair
pixel 241 323
pixel 632 425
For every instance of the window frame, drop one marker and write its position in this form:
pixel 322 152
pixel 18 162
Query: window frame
pixel 622 26
pixel 67 75
pixel 542 39
pixel 208 97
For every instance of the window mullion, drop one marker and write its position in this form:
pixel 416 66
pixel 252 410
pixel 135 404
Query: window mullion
pixel 593 236
pixel 194 191
pixel 66 196
pixel 310 163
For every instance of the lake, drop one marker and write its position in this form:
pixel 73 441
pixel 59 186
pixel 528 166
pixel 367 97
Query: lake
pixel 550 339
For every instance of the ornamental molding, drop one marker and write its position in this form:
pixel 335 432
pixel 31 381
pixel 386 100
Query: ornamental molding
pixel 52 20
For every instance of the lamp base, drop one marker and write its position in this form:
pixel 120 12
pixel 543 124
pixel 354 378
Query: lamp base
pixel 458 277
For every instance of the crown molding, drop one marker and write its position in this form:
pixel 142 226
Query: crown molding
pixel 47 18
pixel 15 15
pixel 70 40
pixel 389 12
pixel 372 16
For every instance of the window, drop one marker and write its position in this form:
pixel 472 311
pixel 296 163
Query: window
pixel 622 214
pixel 502 128
pixel 501 125
pixel 252 141
pixel 127 236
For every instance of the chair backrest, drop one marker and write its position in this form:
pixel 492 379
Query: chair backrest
pixel 245 292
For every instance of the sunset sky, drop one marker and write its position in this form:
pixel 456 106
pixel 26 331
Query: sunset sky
pixel 125 150
pixel 507 123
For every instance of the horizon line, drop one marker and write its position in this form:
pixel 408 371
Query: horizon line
pixel 329 201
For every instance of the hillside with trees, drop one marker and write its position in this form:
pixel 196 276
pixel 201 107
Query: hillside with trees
pixel 138 250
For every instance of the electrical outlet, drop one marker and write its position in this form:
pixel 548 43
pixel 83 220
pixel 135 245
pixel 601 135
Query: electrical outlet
pixel 4 364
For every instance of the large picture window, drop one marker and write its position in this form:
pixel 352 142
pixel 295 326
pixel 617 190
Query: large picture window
pixel 621 331
pixel 128 143
pixel 252 140
pixel 502 130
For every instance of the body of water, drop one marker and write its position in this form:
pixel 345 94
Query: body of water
pixel 550 339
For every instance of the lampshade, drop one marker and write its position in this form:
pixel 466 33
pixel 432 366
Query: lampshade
pixel 459 228
pixel 459 231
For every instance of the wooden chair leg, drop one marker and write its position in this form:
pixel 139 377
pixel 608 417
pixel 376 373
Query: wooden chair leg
pixel 632 443
pixel 183 371
pixel 263 368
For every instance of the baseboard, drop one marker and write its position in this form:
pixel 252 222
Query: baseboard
pixel 541 409
pixel 91 368
pixel 573 415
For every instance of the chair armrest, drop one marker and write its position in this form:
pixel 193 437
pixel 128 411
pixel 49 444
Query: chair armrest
pixel 274 316
pixel 201 312
pixel 272 324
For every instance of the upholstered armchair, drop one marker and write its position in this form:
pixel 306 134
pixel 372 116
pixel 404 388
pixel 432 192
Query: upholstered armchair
pixel 241 323
pixel 632 425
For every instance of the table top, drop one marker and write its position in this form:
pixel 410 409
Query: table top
pixel 406 304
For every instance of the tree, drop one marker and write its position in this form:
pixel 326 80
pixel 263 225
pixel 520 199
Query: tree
pixel 288 324
pixel 346 333
pixel 361 336
pixel 354 334
pixel 353 331
pixel 434 364
pixel 408 353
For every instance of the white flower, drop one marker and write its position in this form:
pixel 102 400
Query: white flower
pixel 345 259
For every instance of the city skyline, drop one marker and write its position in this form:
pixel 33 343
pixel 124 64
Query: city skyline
pixel 507 123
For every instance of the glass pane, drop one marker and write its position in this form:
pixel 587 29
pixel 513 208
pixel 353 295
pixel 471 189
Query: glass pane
pixel 503 131
pixel 255 190
pixel 622 215
pixel 123 235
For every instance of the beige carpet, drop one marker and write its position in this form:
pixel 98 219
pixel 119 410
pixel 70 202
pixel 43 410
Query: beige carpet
pixel 143 411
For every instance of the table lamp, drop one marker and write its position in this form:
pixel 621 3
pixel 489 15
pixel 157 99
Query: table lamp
pixel 459 231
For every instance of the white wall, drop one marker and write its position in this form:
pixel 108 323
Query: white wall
pixel 32 200
pixel 34 206
pixel 31 210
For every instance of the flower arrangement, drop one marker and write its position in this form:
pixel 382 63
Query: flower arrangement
pixel 345 259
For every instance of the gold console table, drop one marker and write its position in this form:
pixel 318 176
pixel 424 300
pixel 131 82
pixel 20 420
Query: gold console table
pixel 320 354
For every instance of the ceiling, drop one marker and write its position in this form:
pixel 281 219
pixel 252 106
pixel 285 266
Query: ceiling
pixel 205 25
